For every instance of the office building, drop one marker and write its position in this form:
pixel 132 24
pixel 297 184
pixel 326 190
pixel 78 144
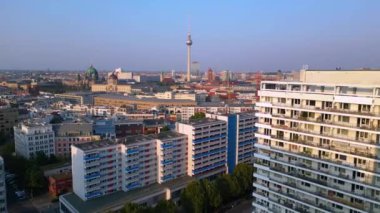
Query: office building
pixel 71 132
pixel 241 137
pixel 318 143
pixel 33 136
pixel 207 147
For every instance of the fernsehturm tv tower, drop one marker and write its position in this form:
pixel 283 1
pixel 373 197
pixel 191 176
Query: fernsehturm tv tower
pixel 189 42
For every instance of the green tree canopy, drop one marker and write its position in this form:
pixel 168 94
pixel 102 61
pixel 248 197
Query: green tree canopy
pixel 243 174
pixel 229 187
pixel 213 197
pixel 165 206
pixel 34 179
pixel 193 198
pixel 198 116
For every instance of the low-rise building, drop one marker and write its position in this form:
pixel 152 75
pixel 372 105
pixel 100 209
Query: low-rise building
pixel 60 184
pixel 72 132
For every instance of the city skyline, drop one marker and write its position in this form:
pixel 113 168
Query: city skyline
pixel 151 35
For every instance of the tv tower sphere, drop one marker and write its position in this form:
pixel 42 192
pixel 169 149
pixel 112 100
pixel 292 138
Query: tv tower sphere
pixel 189 42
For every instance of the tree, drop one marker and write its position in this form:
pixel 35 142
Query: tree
pixel 193 198
pixel 165 128
pixel 243 173
pixel 198 116
pixel 165 206
pixel 213 197
pixel 229 187
pixel 136 208
pixel 41 159
pixel 34 179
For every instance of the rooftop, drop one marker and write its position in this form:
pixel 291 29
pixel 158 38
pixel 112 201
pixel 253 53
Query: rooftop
pixel 202 121
pixel 162 135
pixel 94 145
pixel 131 98
pixel 118 199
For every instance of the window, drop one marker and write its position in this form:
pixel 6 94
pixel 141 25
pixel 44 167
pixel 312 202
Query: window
pixel 310 102
pixel 340 157
pixel 363 134
pixel 323 165
pixel 337 206
pixel 305 184
pixel 357 187
pixel 361 161
pixel 338 194
pixel 342 131
pixel 345 119
pixel 281 100
pixel 297 101
pixel 364 121
pixel 345 106
pixel 339 182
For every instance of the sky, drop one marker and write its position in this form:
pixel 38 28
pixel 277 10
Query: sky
pixel 236 35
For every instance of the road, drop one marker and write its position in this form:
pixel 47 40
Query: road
pixel 244 207
pixel 18 206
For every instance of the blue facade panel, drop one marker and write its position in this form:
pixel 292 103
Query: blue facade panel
pixel 231 147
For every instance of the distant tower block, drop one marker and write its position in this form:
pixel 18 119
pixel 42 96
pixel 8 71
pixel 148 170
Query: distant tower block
pixel 189 42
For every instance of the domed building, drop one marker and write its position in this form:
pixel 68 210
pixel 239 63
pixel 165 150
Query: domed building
pixel 91 74
pixel 112 85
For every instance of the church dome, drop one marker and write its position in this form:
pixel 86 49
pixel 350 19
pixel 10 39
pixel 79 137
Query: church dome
pixel 91 73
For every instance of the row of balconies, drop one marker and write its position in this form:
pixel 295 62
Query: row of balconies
pixel 370 168
pixel 316 167
pixel 360 152
pixel 329 182
pixel 295 190
pixel 372 138
pixel 318 120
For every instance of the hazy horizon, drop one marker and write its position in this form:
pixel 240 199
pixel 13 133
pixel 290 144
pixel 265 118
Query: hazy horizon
pixel 150 35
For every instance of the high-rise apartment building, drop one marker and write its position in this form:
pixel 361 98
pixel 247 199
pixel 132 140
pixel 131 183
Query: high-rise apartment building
pixel 3 192
pixel 33 136
pixel 318 144
pixel 241 137
pixel 207 147
pixel 101 168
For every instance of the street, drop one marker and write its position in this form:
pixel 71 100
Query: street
pixel 244 207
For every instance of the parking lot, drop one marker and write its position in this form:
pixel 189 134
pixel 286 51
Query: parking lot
pixel 17 202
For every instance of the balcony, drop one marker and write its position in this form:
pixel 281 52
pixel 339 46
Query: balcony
pixel 331 136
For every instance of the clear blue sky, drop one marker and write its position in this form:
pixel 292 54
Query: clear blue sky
pixel 150 35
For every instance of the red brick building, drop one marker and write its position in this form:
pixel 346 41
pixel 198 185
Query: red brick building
pixel 60 184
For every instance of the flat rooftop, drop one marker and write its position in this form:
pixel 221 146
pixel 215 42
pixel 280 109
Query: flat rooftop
pixel 202 121
pixel 131 98
pixel 95 145
pixel 118 199
pixel 162 135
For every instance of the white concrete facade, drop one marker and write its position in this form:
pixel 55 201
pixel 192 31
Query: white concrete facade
pixel 32 137
pixel 318 148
